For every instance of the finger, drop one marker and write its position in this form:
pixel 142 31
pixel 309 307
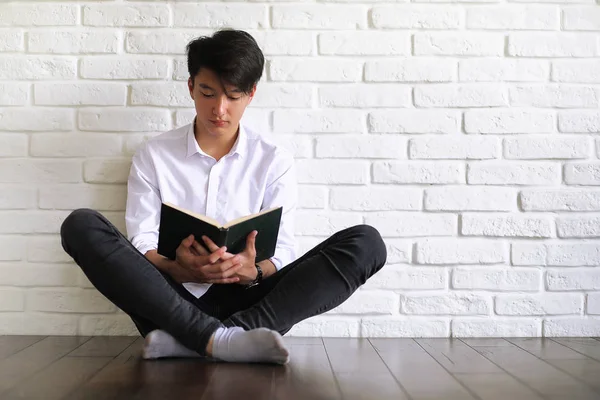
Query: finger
pixel 216 255
pixel 199 248
pixel 217 270
pixel 251 242
pixel 212 246
pixel 223 281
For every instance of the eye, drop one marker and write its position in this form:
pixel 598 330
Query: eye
pixel 234 98
pixel 207 95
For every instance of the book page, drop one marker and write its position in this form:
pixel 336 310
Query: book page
pixel 201 217
pixel 242 219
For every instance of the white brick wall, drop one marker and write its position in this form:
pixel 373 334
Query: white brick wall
pixel 465 131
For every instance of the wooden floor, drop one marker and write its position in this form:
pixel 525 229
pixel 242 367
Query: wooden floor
pixel 37 367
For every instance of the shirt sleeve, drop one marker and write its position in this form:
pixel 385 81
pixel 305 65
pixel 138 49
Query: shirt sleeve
pixel 142 212
pixel 282 190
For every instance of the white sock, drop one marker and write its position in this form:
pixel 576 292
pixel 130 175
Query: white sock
pixel 159 344
pixel 256 345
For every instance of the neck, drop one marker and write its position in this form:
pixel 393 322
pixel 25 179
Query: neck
pixel 215 146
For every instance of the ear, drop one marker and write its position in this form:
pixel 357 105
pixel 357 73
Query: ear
pixel 251 94
pixel 191 87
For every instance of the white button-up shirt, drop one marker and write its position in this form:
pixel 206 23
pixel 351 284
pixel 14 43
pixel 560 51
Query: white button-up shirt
pixel 256 174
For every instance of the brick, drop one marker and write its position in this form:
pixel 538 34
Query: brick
pixel 332 171
pixel 582 173
pixel 106 325
pixel 180 70
pixel 573 279
pixel 497 279
pixel 43 119
pixel 448 251
pixel 462 95
pixel 14 145
pixel 454 148
pixel 496 327
pixel 593 303
pixel 524 173
pixel 578 227
pixel 159 42
pixel 23 170
pixel 512 225
pixel 324 223
pixel 560 200
pixel 312 197
pixel 560 96
pixel 282 95
pixel 416 16
pixel 539 304
pixel 12 248
pixel 124 120
pixel 114 170
pixel 17 197
pixel 132 142
pixel 364 43
pixel 446 304
pixel 258 119
pixel 503 70
pixel 70 197
pixel 359 146
pixel 528 254
pixel 166 94
pixel 37 68
pixel 130 14
pixel 411 70
pixel 410 224
pixel 398 250
pixel 11 41
pixel 539 147
pixel 404 327
pixel 573 254
pixel 301 146
pixel 508 17
pixel 285 43
pixel 122 68
pixel 458 44
pixel 363 96
pixel 399 277
pixel 46 249
pixel 414 121
pixel 318 16
pixel 576 71
pixel 216 15
pixel 76 94
pixel 31 221
pixel 72 42
pixel 551 45
pixel 418 172
pixel 329 326
pixel 11 299
pixel 461 198
pixel 32 275
pixel 315 70
pixel 40 323
pixel 583 121
pixel 374 198
pixel 499 121
pixel 581 18
pixel 569 327
pixel 71 300
pixel 317 121
pixel 38 14
pixel 367 302
pixel 14 94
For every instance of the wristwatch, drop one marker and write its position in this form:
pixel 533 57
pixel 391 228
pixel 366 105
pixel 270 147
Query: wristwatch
pixel 258 279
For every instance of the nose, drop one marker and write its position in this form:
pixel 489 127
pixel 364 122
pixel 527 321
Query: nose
pixel 220 106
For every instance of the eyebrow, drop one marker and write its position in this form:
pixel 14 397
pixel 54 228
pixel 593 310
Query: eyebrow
pixel 205 86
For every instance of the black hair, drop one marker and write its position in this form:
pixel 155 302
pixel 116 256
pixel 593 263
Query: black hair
pixel 232 54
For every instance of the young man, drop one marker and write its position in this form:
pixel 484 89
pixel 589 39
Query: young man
pixel 209 302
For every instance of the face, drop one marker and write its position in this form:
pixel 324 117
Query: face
pixel 218 109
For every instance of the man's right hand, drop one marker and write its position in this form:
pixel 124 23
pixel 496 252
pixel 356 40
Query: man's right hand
pixel 202 266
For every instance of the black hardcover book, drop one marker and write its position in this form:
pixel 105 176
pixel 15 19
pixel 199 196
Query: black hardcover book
pixel 177 223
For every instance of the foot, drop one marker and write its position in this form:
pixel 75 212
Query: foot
pixel 159 344
pixel 256 345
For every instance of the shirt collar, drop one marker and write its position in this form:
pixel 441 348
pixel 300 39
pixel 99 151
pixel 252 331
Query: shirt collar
pixel 239 147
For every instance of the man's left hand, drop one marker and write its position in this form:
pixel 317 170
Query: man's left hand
pixel 248 272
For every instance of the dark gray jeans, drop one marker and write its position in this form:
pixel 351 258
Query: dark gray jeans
pixel 320 280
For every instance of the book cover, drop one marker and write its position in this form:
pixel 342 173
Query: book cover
pixel 176 224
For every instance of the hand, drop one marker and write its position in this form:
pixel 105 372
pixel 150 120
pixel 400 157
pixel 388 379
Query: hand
pixel 247 258
pixel 218 266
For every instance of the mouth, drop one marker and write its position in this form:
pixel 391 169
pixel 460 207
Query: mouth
pixel 218 123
